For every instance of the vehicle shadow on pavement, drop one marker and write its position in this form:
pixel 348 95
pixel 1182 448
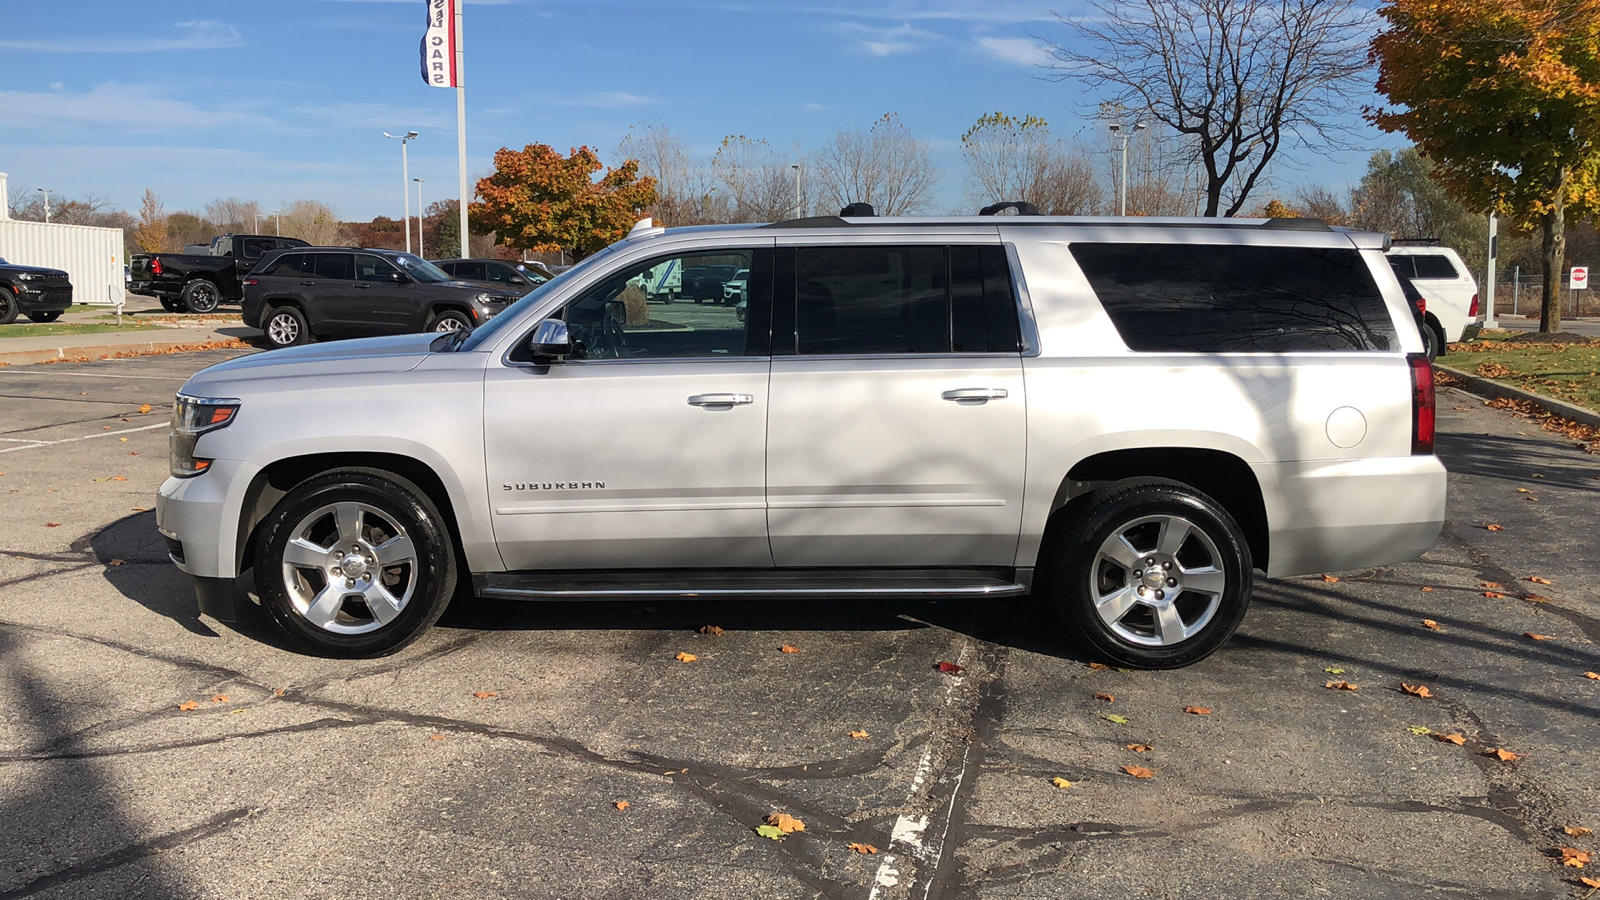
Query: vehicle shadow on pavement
pixel 1515 459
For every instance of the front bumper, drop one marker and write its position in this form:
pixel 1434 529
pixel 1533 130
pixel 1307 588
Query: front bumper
pixel 199 520
pixel 52 298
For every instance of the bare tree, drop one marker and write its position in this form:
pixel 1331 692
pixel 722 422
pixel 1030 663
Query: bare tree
pixel 1238 77
pixel 1323 203
pixel 151 235
pixel 1018 159
pixel 314 222
pixel 884 165
pixel 755 184
pixel 683 184
pixel 232 215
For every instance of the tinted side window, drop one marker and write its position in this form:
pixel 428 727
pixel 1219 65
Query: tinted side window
pixel 871 300
pixel 372 268
pixel 983 307
pixel 1403 266
pixel 334 265
pixel 1434 265
pixel 254 247
pixel 472 270
pixel 291 264
pixel 1208 299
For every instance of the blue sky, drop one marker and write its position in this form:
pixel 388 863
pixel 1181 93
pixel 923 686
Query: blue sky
pixel 286 100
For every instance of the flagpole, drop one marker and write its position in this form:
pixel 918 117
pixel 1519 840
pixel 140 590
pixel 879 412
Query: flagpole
pixel 461 128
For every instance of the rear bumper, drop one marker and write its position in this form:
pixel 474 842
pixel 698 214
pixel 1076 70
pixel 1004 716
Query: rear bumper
pixel 1351 514
pixel 1472 330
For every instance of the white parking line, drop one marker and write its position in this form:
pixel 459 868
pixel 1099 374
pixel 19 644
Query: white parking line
pixel 37 444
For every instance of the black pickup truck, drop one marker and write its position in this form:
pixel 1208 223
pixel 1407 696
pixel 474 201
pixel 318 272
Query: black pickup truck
pixel 187 282
pixel 40 294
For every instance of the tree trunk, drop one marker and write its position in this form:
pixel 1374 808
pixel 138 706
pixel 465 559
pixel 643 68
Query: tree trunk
pixel 1555 245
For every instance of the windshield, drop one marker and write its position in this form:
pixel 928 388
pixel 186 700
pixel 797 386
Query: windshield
pixel 488 330
pixel 420 269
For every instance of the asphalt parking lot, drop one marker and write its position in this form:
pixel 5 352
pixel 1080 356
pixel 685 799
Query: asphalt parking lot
pixel 490 758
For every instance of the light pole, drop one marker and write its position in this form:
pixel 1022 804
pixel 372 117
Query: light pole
pixel 1122 187
pixel 255 223
pixel 405 180
pixel 277 221
pixel 799 190
pixel 46 192
pixel 420 251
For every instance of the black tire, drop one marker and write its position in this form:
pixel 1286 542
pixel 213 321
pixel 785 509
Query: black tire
pixel 388 505
pixel 8 306
pixel 449 320
pixel 201 296
pixel 42 317
pixel 1438 345
pixel 285 326
pixel 1079 574
pixel 171 305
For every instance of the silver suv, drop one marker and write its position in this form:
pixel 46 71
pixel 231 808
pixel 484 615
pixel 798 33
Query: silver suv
pixel 1130 416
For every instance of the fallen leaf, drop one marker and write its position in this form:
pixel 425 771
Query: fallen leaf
pixel 1572 856
pixel 105 427
pixel 220 698
pixel 950 668
pixel 1416 690
pixel 863 848
pixel 788 648
pixel 1531 499
pixel 1493 595
pixel 1197 710
pixel 102 480
pixel 188 705
pixel 279 692
pixel 1430 624
pixel 1502 754
pixel 713 630
pixel 621 804
pixel 1112 717
pixel 685 657
pixel 1334 670
pixel 1591 882
pixel 435 737
pixel 1060 782
pixel 119 478
pixel 767 831
pixel 1493 527
pixel 1342 686
pixel 235 712
pixel 785 823
pixel 124 440
pixel 1524 491
pixel 1109 698
pixel 1420 729
pixel 1140 748
pixel 1537 580
pixel 1330 578
pixel 1491 585
pixel 1098 666
pixel 1456 739
pixel 145 407
pixel 134 453
pixel 1139 772
pixel 52 524
pixel 117 562
pixel 485 695
pixel 859 735
pixel 1577 830
pixel 1536 637
pixel 1594 675
pixel 1427 590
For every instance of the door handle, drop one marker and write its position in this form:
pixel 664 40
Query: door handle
pixel 362 287
pixel 306 283
pixel 976 394
pixel 721 399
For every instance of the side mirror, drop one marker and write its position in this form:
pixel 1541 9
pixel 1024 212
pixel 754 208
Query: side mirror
pixel 517 279
pixel 398 278
pixel 550 340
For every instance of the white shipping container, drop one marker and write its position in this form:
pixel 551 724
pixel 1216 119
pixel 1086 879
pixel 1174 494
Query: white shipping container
pixel 91 256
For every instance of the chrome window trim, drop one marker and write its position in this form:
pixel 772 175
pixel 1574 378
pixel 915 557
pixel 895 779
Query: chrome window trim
pixel 1029 326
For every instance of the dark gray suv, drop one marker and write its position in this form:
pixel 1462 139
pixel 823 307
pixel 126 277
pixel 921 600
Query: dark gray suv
pixel 316 292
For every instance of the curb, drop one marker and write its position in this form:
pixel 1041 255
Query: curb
pixel 100 351
pixel 1487 387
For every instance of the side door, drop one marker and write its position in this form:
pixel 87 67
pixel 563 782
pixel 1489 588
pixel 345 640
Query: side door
pixel 333 305
pixel 897 424
pixel 646 447
pixel 386 296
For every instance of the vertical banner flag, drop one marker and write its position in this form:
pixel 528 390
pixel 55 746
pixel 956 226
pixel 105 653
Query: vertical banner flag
pixel 439 45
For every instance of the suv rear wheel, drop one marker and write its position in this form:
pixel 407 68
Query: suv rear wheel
pixel 1152 574
pixel 285 326
pixel 355 563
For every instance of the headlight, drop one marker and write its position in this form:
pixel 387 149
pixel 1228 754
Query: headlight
pixel 27 276
pixel 486 298
pixel 192 417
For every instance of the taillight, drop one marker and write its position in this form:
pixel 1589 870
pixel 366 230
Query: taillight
pixel 1422 404
pixel 1472 311
pixel 251 282
pixel 155 265
pixel 1422 304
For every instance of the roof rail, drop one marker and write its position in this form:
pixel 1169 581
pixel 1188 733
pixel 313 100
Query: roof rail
pixel 1431 241
pixel 1297 224
pixel 809 222
pixel 1023 208
pixel 858 210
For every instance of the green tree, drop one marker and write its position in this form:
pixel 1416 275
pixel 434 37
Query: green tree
pixel 1503 96
pixel 1399 195
pixel 539 200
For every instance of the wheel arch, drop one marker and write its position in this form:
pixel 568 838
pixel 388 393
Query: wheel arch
pixel 1220 475
pixel 1438 330
pixel 439 306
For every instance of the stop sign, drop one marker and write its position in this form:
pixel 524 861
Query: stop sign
pixel 1580 277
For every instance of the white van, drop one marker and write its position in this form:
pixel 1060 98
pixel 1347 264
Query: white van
pixel 1447 287
pixel 664 282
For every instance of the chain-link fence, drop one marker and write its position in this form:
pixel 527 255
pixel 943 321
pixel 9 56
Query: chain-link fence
pixel 1521 295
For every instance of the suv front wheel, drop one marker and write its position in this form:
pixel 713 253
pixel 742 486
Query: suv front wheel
pixel 355 563
pixel 1152 574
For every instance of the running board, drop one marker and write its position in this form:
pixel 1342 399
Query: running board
pixel 797 583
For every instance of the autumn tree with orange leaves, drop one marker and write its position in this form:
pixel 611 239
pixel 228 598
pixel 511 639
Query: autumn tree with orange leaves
pixel 542 201
pixel 1503 96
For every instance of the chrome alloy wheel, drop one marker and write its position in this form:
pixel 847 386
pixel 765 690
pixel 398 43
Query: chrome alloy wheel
pixel 283 330
pixel 448 324
pixel 1157 581
pixel 349 568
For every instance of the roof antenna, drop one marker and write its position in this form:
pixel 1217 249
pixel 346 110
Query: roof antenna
pixel 857 210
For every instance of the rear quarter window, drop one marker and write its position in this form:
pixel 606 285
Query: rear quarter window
pixel 1221 299
pixel 1434 265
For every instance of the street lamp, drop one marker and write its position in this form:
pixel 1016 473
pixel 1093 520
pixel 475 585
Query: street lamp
pixel 799 190
pixel 1122 188
pixel 277 221
pixel 420 252
pixel 46 192
pixel 405 180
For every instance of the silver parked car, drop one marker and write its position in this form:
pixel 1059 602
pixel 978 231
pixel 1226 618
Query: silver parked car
pixel 1132 416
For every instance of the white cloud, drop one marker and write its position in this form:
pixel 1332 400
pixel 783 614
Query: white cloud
pixel 889 41
pixel 112 105
pixel 813 107
pixel 209 34
pixel 1021 51
pixel 603 100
